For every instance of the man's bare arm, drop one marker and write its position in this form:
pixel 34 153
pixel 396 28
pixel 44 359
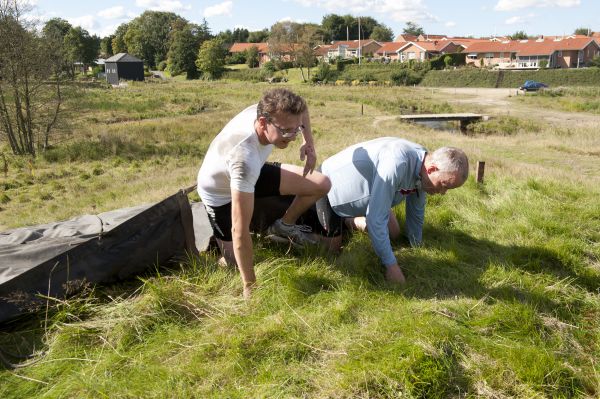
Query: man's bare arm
pixel 242 206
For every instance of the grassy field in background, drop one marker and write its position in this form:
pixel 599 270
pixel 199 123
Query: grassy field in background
pixel 502 300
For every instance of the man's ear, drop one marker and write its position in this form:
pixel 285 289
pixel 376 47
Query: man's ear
pixel 262 122
pixel 431 168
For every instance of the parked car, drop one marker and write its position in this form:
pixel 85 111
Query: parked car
pixel 532 85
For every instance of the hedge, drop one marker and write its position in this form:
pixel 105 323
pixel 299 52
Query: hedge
pixel 475 77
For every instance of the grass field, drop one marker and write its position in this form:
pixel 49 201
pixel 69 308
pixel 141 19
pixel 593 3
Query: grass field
pixel 502 300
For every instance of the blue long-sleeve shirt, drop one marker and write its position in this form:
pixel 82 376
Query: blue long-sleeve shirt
pixel 371 177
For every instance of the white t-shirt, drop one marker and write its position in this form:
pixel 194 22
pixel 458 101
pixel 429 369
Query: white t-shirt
pixel 233 161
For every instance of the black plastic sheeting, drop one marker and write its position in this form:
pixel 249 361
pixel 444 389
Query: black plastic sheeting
pixel 57 260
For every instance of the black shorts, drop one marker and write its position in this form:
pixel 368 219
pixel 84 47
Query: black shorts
pixel 267 185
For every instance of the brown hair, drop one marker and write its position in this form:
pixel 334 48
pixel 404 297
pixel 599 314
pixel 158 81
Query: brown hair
pixel 280 100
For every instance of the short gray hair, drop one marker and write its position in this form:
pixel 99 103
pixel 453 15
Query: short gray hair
pixel 451 160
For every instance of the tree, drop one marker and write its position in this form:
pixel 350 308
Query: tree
pixel 54 32
pixel 56 27
pixel 519 35
pixel 106 49
pixel 582 31
pixel 259 36
pixel 184 49
pixel 304 53
pixel 30 82
pixel 147 36
pixel 211 58
pixel 334 28
pixel 240 35
pixel 412 28
pixel 79 46
pixel 118 43
pixel 226 36
pixel 382 33
pixel 252 59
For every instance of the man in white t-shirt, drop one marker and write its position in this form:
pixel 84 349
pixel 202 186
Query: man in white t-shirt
pixel 234 172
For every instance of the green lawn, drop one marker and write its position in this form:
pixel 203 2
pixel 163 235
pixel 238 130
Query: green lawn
pixel 501 301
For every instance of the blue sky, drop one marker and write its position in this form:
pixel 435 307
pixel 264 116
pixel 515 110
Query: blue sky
pixel 453 18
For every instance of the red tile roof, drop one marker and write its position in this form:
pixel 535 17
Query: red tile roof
pixel 352 44
pixel 530 47
pixel 405 38
pixel 431 37
pixel 322 49
pixel 390 47
pixel 240 47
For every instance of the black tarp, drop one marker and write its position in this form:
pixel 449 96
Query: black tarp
pixel 58 259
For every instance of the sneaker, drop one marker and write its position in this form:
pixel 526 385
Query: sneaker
pixel 297 234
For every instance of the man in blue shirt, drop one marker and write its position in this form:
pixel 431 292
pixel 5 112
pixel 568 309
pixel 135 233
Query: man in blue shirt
pixel 371 177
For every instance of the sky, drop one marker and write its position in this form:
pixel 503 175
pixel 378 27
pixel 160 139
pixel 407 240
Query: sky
pixel 452 18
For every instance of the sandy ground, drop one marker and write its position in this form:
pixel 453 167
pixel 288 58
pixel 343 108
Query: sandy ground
pixel 501 102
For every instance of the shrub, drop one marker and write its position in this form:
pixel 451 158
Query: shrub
pixel 236 58
pixel 269 66
pixel 162 65
pixel 543 64
pixel 406 77
pixel 324 73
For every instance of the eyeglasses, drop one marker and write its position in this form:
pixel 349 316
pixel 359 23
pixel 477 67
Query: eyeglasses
pixel 286 134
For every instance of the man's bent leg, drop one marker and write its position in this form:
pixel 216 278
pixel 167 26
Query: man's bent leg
pixel 306 189
pixel 360 223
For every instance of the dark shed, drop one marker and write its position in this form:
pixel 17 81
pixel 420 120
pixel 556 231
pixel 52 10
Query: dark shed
pixel 123 66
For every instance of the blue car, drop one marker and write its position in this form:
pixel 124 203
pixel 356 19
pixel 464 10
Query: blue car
pixel 532 85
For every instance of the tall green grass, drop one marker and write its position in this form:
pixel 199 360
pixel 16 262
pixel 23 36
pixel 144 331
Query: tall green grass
pixel 502 300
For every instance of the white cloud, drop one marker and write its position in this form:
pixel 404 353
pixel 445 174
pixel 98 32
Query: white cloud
pixel 450 24
pixel 223 8
pixel 290 19
pixel 162 5
pixel 112 13
pixel 87 22
pixel 398 10
pixel 519 19
pixel 509 5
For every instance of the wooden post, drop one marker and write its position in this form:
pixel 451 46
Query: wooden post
pixel 480 171
pixel 362 109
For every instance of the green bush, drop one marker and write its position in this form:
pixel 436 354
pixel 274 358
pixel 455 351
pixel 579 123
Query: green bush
pixel 249 75
pixel 236 58
pixel 324 73
pixel 162 65
pixel 269 66
pixel 406 77
pixel 476 77
pixel 340 64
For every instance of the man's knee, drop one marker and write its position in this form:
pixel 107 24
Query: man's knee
pixel 323 184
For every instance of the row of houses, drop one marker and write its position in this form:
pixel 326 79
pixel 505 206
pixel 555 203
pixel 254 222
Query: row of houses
pixel 574 51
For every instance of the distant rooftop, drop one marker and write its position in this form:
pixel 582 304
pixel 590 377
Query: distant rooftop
pixel 123 57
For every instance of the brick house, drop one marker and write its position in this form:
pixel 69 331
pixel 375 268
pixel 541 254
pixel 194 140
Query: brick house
pixel 263 50
pixel 389 50
pixel 352 48
pixel 568 52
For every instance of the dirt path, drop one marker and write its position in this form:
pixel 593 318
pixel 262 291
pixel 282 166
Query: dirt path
pixel 500 102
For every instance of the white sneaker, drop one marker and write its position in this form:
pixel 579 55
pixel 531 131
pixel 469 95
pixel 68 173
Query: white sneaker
pixel 298 235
